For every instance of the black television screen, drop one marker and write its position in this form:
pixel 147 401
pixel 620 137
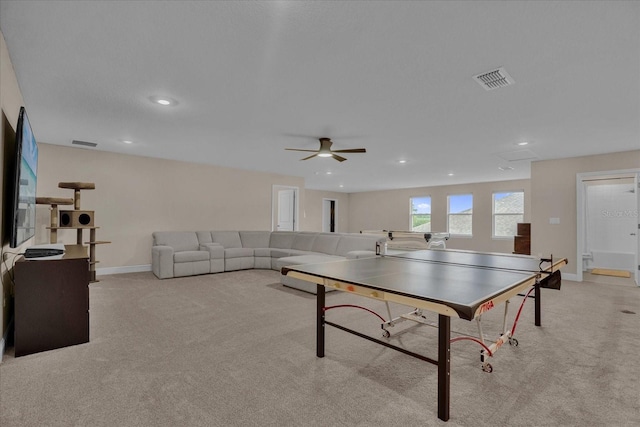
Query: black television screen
pixel 23 210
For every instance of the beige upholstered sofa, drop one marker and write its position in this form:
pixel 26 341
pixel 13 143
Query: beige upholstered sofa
pixel 188 253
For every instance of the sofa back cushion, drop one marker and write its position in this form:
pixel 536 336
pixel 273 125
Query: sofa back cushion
pixel 178 240
pixel 255 239
pixel 303 241
pixel 204 237
pixel 356 242
pixel 281 239
pixel 326 243
pixel 228 239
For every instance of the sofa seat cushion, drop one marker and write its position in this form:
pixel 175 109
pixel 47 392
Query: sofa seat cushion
pixel 281 253
pixel 306 259
pixel 238 253
pixel 360 254
pixel 191 256
pixel 262 252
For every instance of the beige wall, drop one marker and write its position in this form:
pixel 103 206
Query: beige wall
pixel 312 213
pixel 390 210
pixel 553 195
pixel 10 103
pixel 136 196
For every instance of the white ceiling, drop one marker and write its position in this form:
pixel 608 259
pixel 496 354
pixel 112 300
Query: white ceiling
pixel 252 78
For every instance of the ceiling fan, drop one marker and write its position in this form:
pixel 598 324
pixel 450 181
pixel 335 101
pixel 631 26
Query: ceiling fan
pixel 325 150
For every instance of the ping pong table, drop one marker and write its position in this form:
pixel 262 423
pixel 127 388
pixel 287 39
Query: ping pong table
pixel 451 283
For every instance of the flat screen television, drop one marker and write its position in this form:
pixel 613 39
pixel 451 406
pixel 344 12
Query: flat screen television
pixel 23 192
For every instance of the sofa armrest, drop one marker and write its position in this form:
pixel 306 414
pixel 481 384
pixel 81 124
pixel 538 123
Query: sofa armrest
pixel 360 254
pixel 162 261
pixel 216 250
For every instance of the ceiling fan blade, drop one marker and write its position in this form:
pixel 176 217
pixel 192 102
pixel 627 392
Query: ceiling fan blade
pixel 351 150
pixel 298 149
pixel 310 157
pixel 338 158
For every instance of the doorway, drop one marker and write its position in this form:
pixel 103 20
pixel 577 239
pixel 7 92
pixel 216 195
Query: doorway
pixel 329 215
pixel 284 213
pixel 608 224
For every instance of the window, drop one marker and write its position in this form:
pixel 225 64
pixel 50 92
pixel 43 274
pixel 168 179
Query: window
pixel 508 211
pixel 460 214
pixel 420 214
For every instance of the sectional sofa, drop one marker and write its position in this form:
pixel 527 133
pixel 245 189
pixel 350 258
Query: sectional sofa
pixel 188 253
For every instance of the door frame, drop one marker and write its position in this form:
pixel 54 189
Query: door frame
pixel 275 189
pixel 325 220
pixel 580 220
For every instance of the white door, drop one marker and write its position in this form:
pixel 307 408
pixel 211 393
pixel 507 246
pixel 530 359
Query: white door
pixel 286 210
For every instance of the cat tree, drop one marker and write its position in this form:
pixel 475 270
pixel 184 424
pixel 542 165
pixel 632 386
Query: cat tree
pixel 77 219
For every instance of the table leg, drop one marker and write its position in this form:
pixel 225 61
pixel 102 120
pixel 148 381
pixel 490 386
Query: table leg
pixel 537 298
pixel 444 366
pixel 320 321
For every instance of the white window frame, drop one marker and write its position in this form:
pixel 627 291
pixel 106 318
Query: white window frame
pixel 494 214
pixel 411 214
pixel 449 214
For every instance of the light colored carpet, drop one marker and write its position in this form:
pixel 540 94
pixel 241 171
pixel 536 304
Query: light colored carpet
pixel 238 349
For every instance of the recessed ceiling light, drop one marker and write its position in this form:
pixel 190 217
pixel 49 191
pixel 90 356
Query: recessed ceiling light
pixel 329 172
pixel 341 186
pixel 450 174
pixel 402 162
pixel 505 168
pixel 127 141
pixel 523 143
pixel 163 100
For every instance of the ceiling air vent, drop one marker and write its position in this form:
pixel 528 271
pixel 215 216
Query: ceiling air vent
pixel 84 143
pixel 494 79
pixel 514 156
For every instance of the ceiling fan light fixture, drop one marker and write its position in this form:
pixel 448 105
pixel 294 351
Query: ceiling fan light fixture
pixel 325 155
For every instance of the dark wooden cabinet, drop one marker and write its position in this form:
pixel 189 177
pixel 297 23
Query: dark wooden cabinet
pixel 522 241
pixel 51 304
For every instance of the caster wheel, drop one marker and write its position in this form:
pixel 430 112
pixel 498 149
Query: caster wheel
pixel 487 368
pixel 513 342
pixel 386 333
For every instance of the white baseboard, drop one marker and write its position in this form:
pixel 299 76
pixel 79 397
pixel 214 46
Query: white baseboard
pixel 121 270
pixel 3 340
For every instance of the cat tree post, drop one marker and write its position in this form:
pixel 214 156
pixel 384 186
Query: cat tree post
pixel 53 202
